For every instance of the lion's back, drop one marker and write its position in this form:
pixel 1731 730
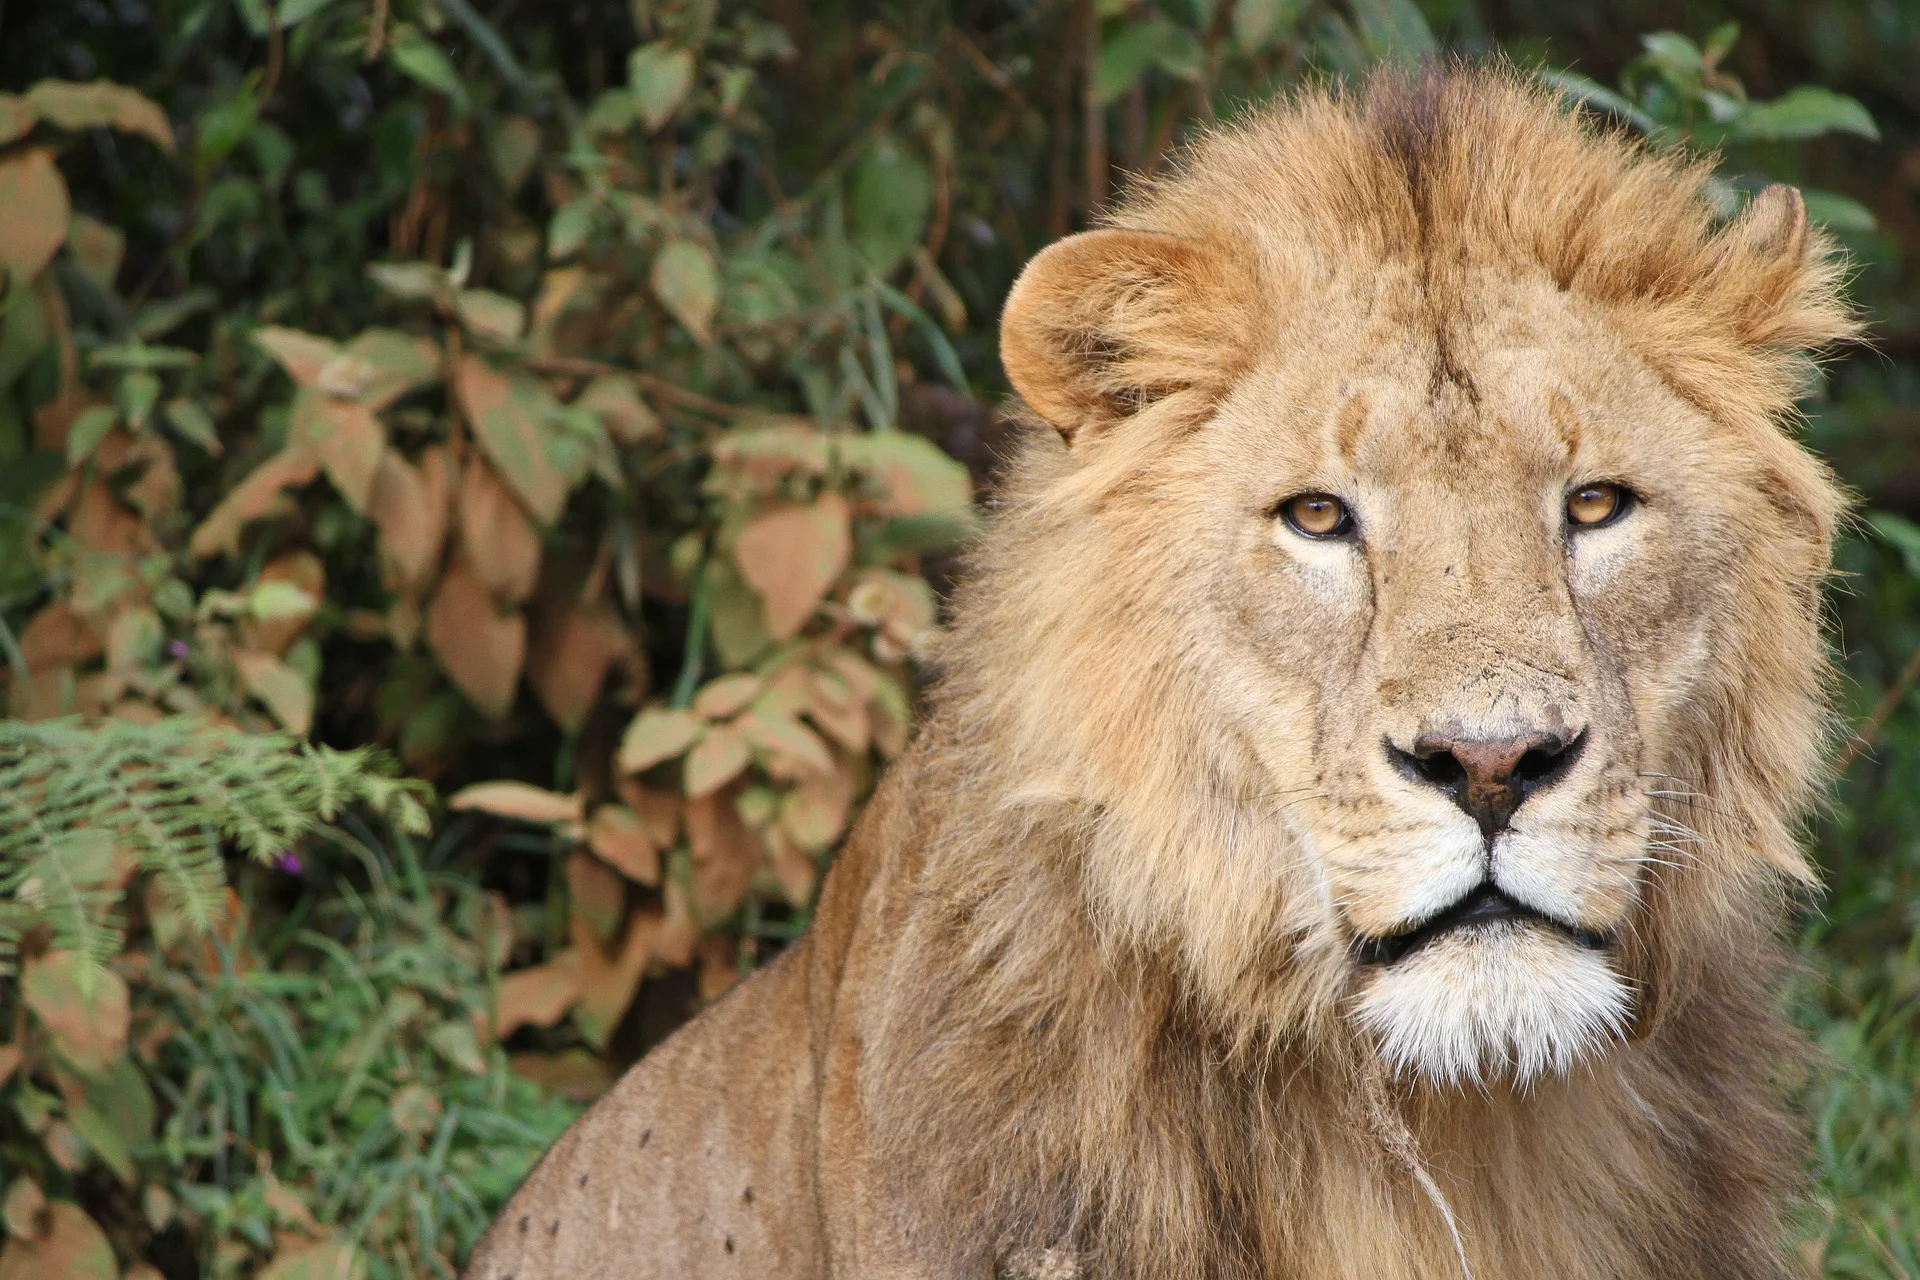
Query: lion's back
pixel 695 1164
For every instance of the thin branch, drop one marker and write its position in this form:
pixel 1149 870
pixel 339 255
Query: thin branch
pixel 1868 733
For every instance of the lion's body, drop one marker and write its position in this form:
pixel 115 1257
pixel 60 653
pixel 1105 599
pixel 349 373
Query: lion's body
pixel 1081 996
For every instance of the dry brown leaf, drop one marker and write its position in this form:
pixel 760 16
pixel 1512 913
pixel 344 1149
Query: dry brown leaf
pixel 83 1007
pixel 659 810
pixel 33 211
pixel 537 997
pixel 10 1055
pixel 616 402
pixel 725 854
pixel 619 835
pixel 814 813
pixel 254 498
pixel 501 543
pixel 727 696
pixel 410 506
pixel 303 355
pixel 480 648
pixel 607 982
pixel 792 866
pixel 715 760
pixel 792 557
pixel 657 734
pixel 283 691
pixel 786 745
pixel 58 637
pixel 719 966
pixel 72 1248
pixel 599 894
pixel 520 800
pixel 574 645
pixel 574 1074
pixel 320 1260
pixel 346 437
pixel 75 106
pixel 679 930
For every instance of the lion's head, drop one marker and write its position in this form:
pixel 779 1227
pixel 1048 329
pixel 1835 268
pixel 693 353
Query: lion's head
pixel 1417 605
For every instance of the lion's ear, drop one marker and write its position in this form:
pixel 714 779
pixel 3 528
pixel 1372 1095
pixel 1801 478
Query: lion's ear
pixel 1104 323
pixel 1783 274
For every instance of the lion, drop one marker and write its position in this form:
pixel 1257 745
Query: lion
pixel 1355 818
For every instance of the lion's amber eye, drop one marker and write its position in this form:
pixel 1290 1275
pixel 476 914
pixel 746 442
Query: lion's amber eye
pixel 1316 515
pixel 1592 505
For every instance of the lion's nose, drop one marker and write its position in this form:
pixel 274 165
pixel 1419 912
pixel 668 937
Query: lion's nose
pixel 1489 777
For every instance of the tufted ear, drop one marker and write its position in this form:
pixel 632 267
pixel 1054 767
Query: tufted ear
pixel 1783 274
pixel 1104 323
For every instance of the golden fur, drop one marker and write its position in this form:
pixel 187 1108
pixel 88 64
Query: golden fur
pixel 1082 995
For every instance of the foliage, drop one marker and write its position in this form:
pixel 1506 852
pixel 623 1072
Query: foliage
pixel 582 405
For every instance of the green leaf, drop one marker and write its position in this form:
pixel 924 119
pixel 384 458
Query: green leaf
pixel 88 430
pixel 1900 533
pixel 687 282
pixel 917 477
pixel 571 226
pixel 1806 112
pixel 424 61
pixel 514 149
pixel 659 77
pixel 1394 30
pixel 1841 213
pixel 1258 23
pixel 1720 42
pixel 193 423
pixel 225 126
pixel 1673 52
pixel 137 393
pixel 889 199
pixel 1125 56
pixel 657 734
pixel 1578 89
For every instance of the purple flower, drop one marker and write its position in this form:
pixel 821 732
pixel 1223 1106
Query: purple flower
pixel 288 861
pixel 177 649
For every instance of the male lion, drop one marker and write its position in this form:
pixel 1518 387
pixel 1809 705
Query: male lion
pixel 1357 808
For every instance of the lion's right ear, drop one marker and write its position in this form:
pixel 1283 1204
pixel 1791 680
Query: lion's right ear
pixel 1104 323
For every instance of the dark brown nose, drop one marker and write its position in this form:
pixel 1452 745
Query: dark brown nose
pixel 1489 777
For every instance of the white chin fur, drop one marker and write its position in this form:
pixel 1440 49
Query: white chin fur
pixel 1497 1001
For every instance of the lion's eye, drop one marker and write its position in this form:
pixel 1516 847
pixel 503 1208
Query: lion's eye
pixel 1316 515
pixel 1592 505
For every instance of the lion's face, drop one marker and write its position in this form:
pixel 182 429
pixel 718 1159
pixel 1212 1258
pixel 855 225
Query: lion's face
pixel 1456 627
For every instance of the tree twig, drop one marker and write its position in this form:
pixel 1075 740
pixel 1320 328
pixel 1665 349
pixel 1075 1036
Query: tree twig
pixel 1864 737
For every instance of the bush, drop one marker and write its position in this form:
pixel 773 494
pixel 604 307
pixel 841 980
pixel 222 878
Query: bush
pixel 581 407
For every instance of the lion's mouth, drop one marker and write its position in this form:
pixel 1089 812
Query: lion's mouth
pixel 1486 905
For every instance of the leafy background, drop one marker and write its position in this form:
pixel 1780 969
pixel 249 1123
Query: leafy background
pixel 475 479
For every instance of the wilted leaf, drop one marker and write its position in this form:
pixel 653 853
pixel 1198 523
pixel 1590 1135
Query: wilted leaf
pixel 57 636
pixel 454 1040
pixel 321 1260
pixel 727 695
pixel 414 1110
pixel 528 803
pixel 659 77
pixel 916 475
pixel 792 557
pixel 282 690
pixel 255 497
pixel 284 599
pixel 715 760
pixel 618 835
pixel 302 355
pixel 537 997
pixel 16 118
pixel 396 363
pixel 607 982
pixel 512 418
pixel 573 647
pixel 614 400
pixel 83 1007
pixel 72 1248
pixel 501 543
pixel 724 855
pixel 33 210
pixel 687 283
pixel 347 438
pixel 410 507
pixel 599 894
pixel 786 744
pixel 25 1208
pixel 814 813
pixel 481 648
pixel 101 103
pixel 656 734
pixel 97 249
pixel 494 316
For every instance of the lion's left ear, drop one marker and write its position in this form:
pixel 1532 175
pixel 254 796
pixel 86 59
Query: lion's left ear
pixel 1104 323
pixel 1781 276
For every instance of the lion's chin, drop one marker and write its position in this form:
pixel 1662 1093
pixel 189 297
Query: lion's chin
pixel 1507 1000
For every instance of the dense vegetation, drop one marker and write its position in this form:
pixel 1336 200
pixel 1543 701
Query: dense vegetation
pixel 474 481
